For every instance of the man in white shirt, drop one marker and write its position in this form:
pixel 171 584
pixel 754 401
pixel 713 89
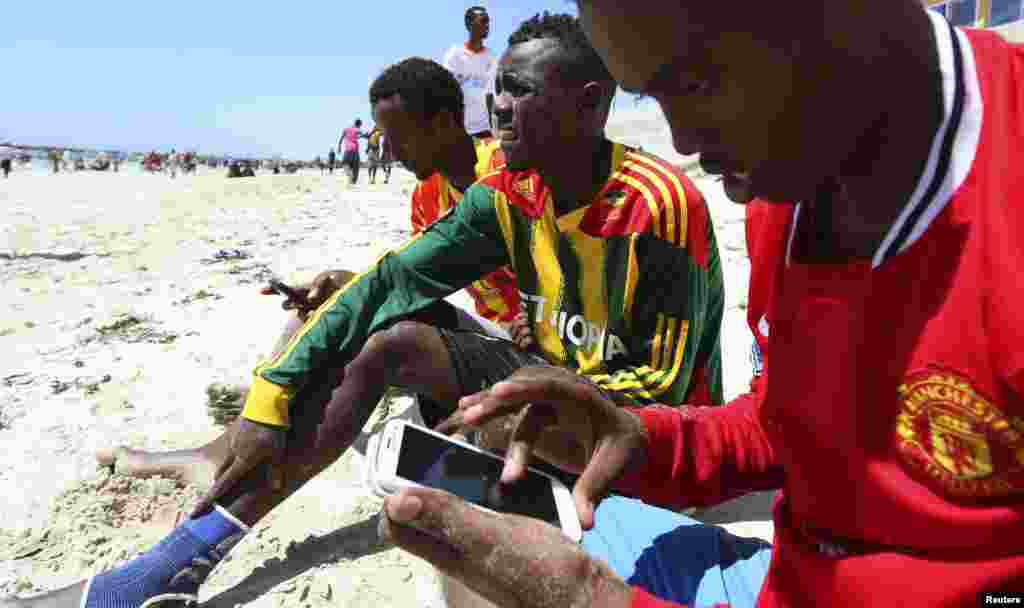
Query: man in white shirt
pixel 473 66
pixel 172 163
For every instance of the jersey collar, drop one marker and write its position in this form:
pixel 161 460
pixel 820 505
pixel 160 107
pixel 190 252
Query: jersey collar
pixel 953 146
pixel 531 194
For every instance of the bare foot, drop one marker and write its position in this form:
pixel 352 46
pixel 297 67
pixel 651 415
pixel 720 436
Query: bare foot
pixel 195 467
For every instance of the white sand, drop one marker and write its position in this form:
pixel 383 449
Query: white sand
pixel 131 244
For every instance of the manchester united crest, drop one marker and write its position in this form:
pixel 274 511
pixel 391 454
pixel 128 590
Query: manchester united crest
pixel 958 438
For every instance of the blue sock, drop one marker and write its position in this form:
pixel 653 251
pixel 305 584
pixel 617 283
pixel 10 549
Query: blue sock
pixel 172 570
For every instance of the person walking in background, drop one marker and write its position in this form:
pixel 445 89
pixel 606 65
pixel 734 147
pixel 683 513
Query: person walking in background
pixel 330 161
pixel 5 163
pixel 473 65
pixel 349 148
pixel 373 152
pixel 172 163
pixel 386 156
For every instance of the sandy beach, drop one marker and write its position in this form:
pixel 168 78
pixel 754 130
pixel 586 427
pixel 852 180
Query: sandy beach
pixel 126 296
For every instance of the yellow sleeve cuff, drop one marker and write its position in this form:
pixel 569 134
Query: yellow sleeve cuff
pixel 267 403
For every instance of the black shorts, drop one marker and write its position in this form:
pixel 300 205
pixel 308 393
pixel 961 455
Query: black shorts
pixel 480 361
pixel 441 315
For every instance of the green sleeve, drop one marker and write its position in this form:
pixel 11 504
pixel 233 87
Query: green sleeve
pixel 459 248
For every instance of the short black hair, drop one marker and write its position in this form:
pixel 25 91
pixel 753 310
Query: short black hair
pixel 425 86
pixel 359 122
pixel 583 61
pixel 472 12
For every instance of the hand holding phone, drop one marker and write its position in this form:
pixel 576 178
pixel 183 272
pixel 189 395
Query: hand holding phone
pixel 408 455
pixel 507 559
pixel 291 293
pixel 309 297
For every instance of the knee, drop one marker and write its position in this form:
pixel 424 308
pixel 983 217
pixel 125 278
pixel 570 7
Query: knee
pixel 394 353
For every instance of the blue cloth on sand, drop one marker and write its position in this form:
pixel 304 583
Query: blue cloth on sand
pixel 677 558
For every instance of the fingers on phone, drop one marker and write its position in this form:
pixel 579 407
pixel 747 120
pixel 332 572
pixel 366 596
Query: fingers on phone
pixel 524 437
pixel 450 424
pixel 593 485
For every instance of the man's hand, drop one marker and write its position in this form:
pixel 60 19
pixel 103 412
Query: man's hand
pixel 324 286
pixel 521 332
pixel 508 559
pixel 565 420
pixel 313 294
pixel 252 444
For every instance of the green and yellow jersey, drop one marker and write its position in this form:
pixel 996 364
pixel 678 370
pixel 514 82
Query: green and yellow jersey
pixel 626 290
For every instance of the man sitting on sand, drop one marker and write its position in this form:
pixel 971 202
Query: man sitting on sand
pixel 417 93
pixel 594 233
pixel 891 414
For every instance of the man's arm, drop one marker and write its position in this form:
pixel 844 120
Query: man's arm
pixel 496 295
pixel 447 256
pixel 702 456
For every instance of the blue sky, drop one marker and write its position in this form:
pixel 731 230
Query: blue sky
pixel 223 77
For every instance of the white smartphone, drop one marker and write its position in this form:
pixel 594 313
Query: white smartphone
pixel 409 455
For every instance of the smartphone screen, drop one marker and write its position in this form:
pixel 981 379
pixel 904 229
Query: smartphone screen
pixel 431 461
